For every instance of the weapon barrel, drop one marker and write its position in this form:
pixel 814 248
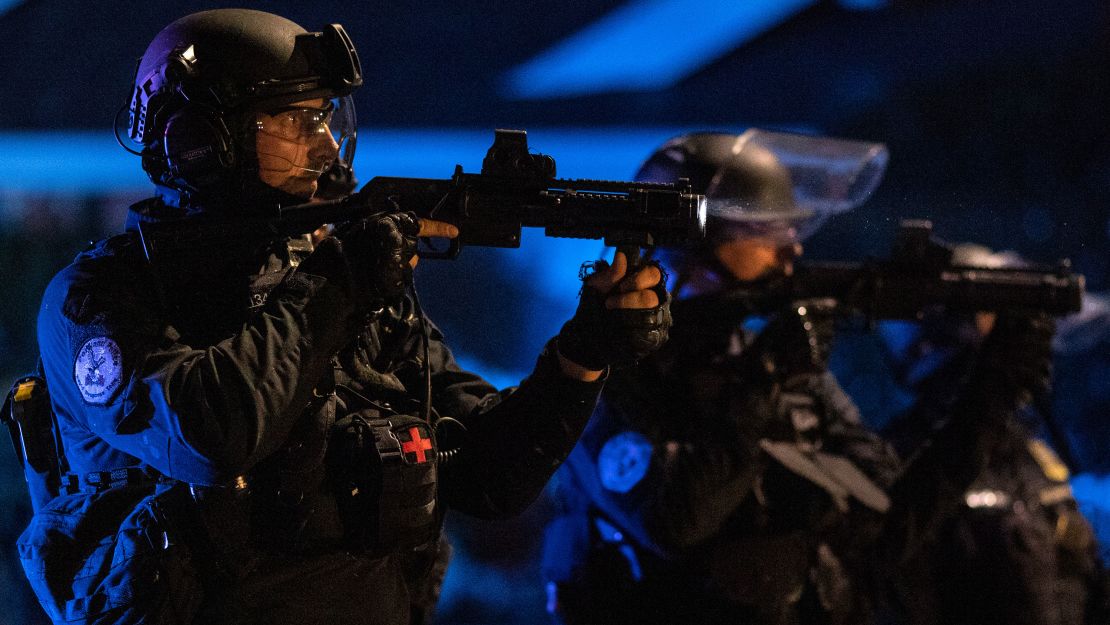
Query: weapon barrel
pixel 892 291
pixel 626 214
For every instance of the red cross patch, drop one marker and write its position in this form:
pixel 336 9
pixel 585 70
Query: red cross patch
pixel 417 444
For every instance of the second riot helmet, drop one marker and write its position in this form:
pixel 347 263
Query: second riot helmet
pixel 760 182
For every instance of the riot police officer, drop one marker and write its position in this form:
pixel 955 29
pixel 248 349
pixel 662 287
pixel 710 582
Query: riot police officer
pixel 1008 544
pixel 728 478
pixel 247 432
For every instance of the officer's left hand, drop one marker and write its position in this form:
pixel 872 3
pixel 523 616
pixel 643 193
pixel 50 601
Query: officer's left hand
pixel 621 318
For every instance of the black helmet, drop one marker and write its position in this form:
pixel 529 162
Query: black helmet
pixel 762 182
pixel 748 179
pixel 204 77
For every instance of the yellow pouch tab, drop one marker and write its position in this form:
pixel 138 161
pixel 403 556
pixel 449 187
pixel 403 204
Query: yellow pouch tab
pixel 1054 469
pixel 24 390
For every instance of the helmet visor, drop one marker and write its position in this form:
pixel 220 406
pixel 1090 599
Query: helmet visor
pixel 826 177
pixel 297 143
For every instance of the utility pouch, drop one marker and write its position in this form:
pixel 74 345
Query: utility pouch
pixel 114 556
pixel 30 422
pixel 383 472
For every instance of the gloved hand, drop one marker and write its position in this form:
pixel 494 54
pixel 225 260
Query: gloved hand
pixel 378 252
pixel 1019 351
pixel 778 379
pixel 621 317
pixel 795 342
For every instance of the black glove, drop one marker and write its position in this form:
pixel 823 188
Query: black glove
pixel 1018 352
pixel 377 253
pixel 779 377
pixel 597 337
pixel 795 342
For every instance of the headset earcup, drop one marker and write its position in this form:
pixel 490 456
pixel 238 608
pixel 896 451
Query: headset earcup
pixel 198 147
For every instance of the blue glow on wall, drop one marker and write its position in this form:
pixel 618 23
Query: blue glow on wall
pixel 72 162
pixel 501 378
pixel 646 45
pixel 864 5
pixel 1093 490
pixel 8 5
pixel 1093 494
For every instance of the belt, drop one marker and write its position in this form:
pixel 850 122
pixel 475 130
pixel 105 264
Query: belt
pixel 100 481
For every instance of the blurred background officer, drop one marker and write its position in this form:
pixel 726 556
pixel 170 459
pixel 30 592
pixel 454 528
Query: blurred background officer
pixel 728 478
pixel 1014 547
pixel 246 431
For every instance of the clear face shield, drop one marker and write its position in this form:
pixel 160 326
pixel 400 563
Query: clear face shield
pixel 785 186
pixel 297 143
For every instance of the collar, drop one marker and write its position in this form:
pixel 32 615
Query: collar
pixel 169 204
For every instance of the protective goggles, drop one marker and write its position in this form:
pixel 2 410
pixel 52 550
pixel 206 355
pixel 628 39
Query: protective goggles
pixel 309 125
pixel 295 123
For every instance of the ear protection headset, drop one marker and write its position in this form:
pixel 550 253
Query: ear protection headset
pixel 196 147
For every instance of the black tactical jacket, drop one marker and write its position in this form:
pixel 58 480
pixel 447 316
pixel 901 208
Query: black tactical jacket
pixel 686 501
pixel 985 528
pixel 227 371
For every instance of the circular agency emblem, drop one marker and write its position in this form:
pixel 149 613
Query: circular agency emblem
pixel 97 369
pixel 624 461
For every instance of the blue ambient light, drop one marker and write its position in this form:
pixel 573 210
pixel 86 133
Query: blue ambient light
pixel 646 45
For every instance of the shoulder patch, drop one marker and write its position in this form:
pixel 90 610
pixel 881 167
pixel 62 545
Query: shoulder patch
pixel 624 461
pixel 98 369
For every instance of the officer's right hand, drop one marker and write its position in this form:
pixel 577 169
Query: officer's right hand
pixel 379 254
pixel 436 230
pixel 378 251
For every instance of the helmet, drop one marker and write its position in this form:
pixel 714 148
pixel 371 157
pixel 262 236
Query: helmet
pixel 768 183
pixel 203 80
pixel 752 178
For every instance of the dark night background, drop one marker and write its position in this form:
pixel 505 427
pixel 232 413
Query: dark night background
pixel 995 113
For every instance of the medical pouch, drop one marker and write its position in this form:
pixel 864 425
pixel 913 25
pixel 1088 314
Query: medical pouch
pixel 383 472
